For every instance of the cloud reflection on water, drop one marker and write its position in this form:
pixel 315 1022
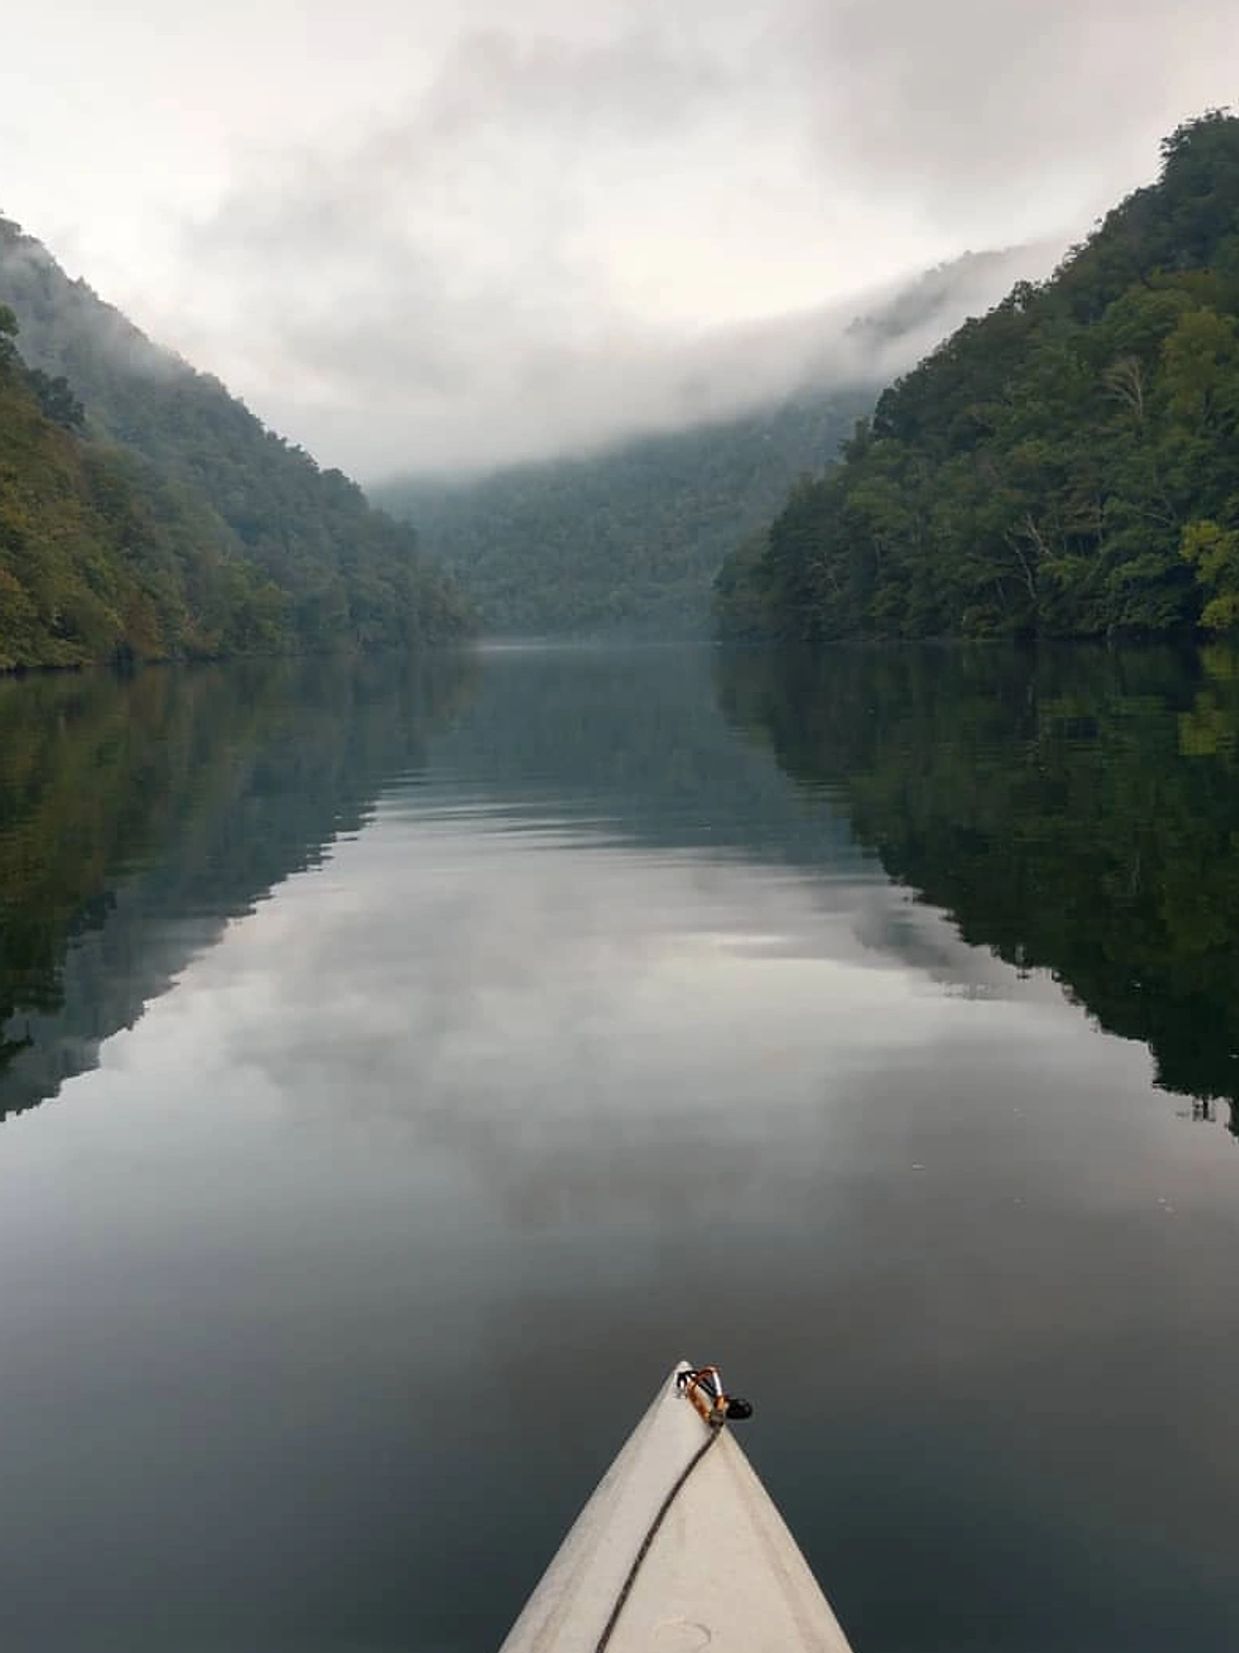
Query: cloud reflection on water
pixel 368 1231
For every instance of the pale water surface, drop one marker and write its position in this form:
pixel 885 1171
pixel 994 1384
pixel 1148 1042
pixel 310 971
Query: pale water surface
pixel 406 1064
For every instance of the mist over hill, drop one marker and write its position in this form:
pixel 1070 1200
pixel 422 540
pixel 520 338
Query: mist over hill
pixel 150 515
pixel 627 541
pixel 1065 466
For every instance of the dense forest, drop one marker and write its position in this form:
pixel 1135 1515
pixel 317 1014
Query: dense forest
pixel 98 558
pixel 1072 811
pixel 145 513
pixel 627 541
pixel 1067 465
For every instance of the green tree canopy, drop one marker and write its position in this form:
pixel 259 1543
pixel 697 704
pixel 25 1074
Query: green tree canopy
pixel 1048 469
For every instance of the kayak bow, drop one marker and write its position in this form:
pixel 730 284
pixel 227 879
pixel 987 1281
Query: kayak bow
pixel 680 1548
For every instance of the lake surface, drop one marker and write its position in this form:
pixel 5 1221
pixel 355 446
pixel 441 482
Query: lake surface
pixel 403 1064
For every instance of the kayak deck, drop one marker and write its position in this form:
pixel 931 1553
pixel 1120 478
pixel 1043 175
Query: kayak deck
pixel 716 1567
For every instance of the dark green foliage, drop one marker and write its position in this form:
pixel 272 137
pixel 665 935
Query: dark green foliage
pixel 56 400
pixel 625 542
pixel 1066 466
pixel 98 558
pixel 1075 810
pixel 202 531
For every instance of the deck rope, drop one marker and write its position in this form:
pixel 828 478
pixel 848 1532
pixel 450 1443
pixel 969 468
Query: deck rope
pixel 626 1589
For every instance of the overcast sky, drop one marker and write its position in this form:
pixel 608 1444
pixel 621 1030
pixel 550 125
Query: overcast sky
pixel 416 234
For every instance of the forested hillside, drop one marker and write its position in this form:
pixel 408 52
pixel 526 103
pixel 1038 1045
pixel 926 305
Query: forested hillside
pixel 1066 466
pixel 98 558
pixel 628 541
pixel 161 518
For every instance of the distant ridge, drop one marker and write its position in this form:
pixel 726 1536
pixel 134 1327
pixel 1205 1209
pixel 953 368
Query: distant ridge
pixel 627 541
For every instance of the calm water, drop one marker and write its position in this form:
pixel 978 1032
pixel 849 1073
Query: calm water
pixel 403 1066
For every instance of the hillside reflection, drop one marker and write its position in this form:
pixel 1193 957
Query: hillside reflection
pixel 138 815
pixel 1075 811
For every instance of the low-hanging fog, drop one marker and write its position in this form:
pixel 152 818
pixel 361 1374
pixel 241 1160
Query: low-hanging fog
pixel 425 238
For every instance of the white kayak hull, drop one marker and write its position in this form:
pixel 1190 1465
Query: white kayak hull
pixel 720 1571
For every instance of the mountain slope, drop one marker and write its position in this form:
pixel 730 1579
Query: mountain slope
pixel 625 542
pixel 628 540
pixel 334 571
pixel 1066 466
pixel 98 559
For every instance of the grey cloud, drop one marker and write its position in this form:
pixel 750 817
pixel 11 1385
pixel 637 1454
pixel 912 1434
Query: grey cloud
pixel 459 391
pixel 639 84
pixel 964 104
pixel 496 272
